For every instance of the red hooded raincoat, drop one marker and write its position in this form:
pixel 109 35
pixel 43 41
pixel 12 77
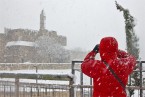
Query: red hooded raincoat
pixel 105 84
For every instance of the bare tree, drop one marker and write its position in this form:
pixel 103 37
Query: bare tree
pixel 50 51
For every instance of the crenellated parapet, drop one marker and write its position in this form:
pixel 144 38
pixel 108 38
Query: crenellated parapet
pixel 20 34
pixel 62 40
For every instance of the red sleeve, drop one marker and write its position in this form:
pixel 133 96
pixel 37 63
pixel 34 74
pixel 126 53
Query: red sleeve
pixel 90 55
pixel 122 54
pixel 88 64
pixel 131 60
pixel 128 60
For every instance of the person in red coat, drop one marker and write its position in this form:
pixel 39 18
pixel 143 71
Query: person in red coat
pixel 104 82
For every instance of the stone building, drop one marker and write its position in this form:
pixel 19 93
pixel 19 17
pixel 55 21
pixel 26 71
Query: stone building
pixel 18 45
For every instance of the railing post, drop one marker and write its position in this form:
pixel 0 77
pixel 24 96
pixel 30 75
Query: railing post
pixel 72 67
pixel 4 91
pixel 91 92
pixel 16 87
pixel 141 91
pixel 31 92
pixel 81 82
pixel 71 91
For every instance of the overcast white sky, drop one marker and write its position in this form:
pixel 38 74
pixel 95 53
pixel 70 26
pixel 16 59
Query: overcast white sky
pixel 83 22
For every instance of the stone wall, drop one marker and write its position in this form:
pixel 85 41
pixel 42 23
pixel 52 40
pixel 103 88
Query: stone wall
pixel 17 54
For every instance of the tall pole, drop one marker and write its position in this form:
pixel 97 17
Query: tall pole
pixel 36 68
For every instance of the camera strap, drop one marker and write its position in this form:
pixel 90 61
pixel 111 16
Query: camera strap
pixel 115 75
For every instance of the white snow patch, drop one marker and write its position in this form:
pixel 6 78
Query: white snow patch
pixel 21 43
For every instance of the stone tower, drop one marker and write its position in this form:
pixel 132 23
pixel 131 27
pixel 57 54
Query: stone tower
pixel 42 21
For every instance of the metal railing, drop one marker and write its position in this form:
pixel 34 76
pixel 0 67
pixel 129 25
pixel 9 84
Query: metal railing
pixel 7 89
pixel 138 89
pixel 21 89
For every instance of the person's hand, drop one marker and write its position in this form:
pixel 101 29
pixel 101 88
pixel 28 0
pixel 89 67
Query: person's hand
pixel 96 48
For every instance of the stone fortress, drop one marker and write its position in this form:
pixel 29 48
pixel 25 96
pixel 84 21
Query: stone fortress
pixel 18 45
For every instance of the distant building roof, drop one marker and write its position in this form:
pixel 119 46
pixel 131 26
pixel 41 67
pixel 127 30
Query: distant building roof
pixel 21 43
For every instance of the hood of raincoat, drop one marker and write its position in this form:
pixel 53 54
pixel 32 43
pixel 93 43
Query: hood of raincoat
pixel 108 48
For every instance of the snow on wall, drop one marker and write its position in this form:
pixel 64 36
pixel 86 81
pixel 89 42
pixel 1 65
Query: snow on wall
pixel 21 43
